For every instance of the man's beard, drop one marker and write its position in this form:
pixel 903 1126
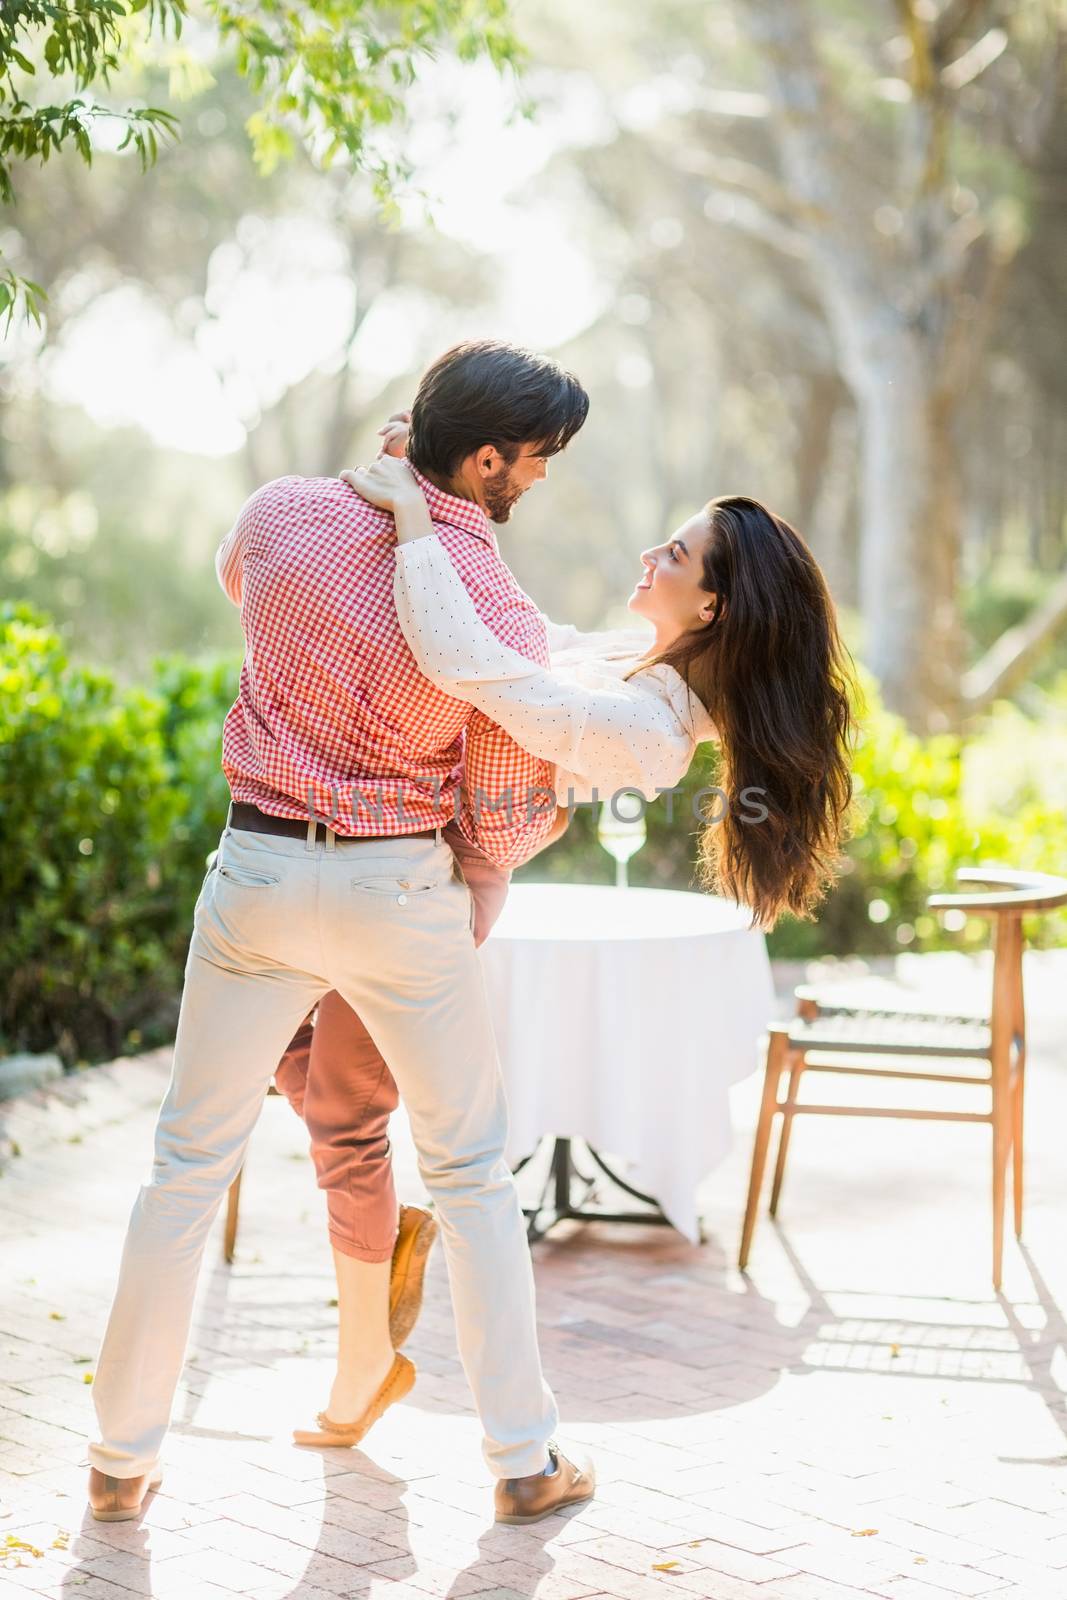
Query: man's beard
pixel 500 495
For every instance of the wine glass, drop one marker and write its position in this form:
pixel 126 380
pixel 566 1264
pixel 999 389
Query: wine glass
pixel 621 830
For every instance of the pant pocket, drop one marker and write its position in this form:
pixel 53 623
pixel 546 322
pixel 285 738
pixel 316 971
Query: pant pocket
pixel 394 887
pixel 246 877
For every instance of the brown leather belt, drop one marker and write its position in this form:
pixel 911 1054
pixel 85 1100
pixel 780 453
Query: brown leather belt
pixel 250 819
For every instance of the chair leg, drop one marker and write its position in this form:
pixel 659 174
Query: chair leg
pixel 786 1130
pixel 777 1055
pixel 1001 1150
pixel 1017 1148
pixel 233 1204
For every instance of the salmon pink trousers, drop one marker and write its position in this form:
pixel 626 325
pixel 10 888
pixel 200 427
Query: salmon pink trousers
pixel 388 924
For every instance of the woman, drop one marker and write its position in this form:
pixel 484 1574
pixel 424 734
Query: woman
pixel 744 650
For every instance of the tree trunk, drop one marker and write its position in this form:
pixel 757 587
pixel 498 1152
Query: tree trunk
pixel 893 314
pixel 909 557
pixel 825 393
pixel 833 530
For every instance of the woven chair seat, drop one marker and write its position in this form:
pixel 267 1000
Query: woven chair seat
pixel 891 1033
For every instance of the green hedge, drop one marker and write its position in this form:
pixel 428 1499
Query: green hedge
pixel 112 799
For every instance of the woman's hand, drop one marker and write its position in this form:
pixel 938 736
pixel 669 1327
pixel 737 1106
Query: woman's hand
pixel 387 482
pixel 390 483
pixel 394 435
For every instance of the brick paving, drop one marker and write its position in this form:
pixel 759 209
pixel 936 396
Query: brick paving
pixel 861 1416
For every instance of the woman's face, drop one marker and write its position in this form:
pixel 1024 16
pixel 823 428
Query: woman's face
pixel 669 593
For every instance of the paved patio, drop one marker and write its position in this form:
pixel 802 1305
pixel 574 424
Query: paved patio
pixel 861 1416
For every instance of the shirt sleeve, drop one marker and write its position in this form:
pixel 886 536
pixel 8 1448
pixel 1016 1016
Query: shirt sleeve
pixel 507 793
pixel 229 557
pixel 229 560
pixel 616 737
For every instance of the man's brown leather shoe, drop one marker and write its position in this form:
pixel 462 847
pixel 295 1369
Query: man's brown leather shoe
pixel 416 1235
pixel 119 1499
pixel 523 1500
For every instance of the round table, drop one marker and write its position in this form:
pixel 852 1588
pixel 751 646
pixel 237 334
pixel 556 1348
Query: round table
pixel 622 1018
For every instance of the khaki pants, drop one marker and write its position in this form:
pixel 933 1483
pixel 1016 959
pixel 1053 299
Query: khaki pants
pixel 336 1079
pixel 387 923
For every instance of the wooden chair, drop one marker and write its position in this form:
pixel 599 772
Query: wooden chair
pixel 233 1208
pixel 839 1039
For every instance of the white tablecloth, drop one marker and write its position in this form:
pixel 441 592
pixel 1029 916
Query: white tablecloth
pixel 622 1017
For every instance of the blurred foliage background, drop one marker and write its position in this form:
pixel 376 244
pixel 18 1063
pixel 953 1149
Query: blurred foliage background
pixel 863 328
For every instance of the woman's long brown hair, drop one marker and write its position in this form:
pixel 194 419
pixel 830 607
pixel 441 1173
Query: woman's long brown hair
pixel 776 680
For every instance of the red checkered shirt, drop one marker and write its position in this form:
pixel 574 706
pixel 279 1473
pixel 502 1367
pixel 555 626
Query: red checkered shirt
pixel 333 713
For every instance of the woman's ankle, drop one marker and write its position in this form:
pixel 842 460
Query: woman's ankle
pixel 355 1385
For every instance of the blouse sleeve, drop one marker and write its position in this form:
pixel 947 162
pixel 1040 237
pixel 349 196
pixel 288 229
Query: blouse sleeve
pixel 619 737
pixel 565 636
pixel 561 635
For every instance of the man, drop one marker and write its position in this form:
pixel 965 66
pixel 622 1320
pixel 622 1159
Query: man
pixel 344 763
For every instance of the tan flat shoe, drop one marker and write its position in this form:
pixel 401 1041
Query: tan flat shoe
pixel 120 1499
pixel 398 1383
pixel 415 1238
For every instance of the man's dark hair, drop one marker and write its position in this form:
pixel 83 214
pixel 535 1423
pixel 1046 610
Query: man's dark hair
pixel 484 392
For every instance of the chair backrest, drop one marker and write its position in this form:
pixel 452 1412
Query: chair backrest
pixel 1012 891
pixel 1013 894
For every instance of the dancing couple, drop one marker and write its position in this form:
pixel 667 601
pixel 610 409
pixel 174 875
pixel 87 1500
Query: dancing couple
pixel 409 727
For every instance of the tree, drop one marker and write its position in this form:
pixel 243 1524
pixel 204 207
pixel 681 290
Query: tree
pixel 909 265
pixel 112 532
pixel 880 167
pixel 330 73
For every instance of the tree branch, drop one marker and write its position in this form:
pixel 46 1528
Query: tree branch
pixel 813 147
pixel 945 267
pixel 923 70
pixel 1008 662
pixel 786 33
pixel 958 17
pixel 969 338
pixel 1035 126
pixel 975 60
pixel 747 215
pixel 929 145
pixel 744 177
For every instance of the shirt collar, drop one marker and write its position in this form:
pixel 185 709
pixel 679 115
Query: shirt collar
pixel 464 514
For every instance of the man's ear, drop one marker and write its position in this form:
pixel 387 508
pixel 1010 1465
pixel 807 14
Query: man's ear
pixel 488 461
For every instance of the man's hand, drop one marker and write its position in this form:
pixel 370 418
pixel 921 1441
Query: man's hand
pixel 559 827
